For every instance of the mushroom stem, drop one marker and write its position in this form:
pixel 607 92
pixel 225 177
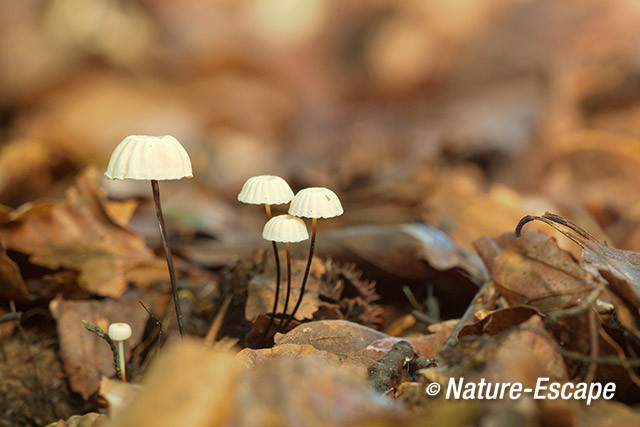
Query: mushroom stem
pixel 286 299
pixel 277 294
pixel 123 372
pixel 314 226
pixel 167 253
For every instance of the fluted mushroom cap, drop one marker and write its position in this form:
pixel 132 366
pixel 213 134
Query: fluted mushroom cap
pixel 119 331
pixel 286 229
pixel 147 157
pixel 265 190
pixel 316 202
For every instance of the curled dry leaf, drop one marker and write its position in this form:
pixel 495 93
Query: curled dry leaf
pixel 87 358
pixel 620 268
pixel 533 270
pixel 78 233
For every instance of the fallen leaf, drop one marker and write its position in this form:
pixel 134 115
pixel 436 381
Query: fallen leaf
pixel 262 288
pixel 13 286
pixel 86 357
pixel 496 321
pixel 335 336
pixel 77 233
pixel 620 268
pixel 533 270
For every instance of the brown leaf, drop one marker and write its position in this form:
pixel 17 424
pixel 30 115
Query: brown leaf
pixel 78 233
pixel 252 358
pixel 262 288
pixel 494 322
pixel 189 384
pixel 86 357
pixel 533 270
pixel 426 346
pixel 620 268
pixel 309 392
pixel 335 336
pixel 12 285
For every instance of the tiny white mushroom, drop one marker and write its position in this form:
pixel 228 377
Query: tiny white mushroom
pixel 153 158
pixel 119 332
pixel 287 229
pixel 267 190
pixel 314 203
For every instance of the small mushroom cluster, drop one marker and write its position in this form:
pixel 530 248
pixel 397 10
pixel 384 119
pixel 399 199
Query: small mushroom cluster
pixel 157 158
pixel 313 203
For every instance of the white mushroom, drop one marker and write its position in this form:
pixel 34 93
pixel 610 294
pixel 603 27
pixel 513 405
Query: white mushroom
pixel 268 190
pixel 153 158
pixel 314 203
pixel 287 229
pixel 119 332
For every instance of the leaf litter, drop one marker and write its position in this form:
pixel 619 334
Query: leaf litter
pixel 436 150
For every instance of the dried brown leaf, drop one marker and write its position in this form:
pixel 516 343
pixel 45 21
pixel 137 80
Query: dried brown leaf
pixel 335 336
pixel 533 270
pixel 78 233
pixel 86 357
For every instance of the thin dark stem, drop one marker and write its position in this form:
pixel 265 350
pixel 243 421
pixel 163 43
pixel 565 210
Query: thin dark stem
pixel 277 294
pixel 314 226
pixel 286 299
pixel 167 253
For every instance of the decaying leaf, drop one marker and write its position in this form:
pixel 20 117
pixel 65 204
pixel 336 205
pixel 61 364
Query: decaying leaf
pixel 86 357
pixel 78 233
pixel 12 285
pixel 335 336
pixel 620 268
pixel 533 270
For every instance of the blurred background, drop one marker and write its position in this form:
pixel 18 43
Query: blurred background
pixel 410 111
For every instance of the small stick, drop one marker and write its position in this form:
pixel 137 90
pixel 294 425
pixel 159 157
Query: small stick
pixel 158 324
pixel 214 329
pixel 10 317
pixel 593 347
pixel 167 253
pixel 486 292
pixel 314 225
pixel 92 327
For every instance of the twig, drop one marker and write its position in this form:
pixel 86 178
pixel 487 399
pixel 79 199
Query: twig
pixel 158 324
pixel 555 315
pixel 214 329
pixel 623 357
pixel 92 327
pixel 11 317
pixel 593 347
pixel 601 360
pixel 486 294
